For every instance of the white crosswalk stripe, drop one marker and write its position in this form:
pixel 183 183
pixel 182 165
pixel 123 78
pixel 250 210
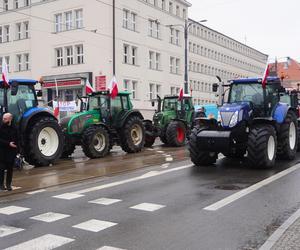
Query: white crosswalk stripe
pixel 95 225
pixel 110 248
pixel 8 230
pixel 12 210
pixel 105 201
pixel 149 207
pixel 68 196
pixel 46 242
pixel 50 217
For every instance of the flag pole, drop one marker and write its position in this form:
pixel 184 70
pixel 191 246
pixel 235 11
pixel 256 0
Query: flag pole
pixel 57 99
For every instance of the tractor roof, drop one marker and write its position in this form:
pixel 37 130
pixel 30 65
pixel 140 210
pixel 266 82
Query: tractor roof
pixel 270 79
pixel 176 96
pixel 106 92
pixel 21 81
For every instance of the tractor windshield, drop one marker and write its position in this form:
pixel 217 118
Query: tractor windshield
pixel 97 102
pixel 252 93
pixel 171 104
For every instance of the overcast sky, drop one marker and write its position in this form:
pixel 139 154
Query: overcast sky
pixel 271 26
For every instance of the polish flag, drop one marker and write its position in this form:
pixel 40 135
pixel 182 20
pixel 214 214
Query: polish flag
pixel 88 87
pixel 113 87
pixel 266 74
pixel 5 73
pixel 180 97
pixel 56 112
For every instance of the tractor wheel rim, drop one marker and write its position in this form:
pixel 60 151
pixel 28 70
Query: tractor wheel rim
pixel 180 135
pixel 271 148
pixel 48 141
pixel 292 136
pixel 99 142
pixel 136 134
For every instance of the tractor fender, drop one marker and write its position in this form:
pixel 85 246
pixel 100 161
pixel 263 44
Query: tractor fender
pixel 121 121
pixel 280 112
pixel 33 113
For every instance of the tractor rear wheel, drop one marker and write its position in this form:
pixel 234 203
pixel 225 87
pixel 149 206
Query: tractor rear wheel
pixel 68 149
pixel 288 137
pixel 95 142
pixel 176 134
pixel 149 138
pixel 133 135
pixel 262 146
pixel 163 139
pixel 44 142
pixel 199 157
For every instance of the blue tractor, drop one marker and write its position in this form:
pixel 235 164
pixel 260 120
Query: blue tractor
pixel 41 138
pixel 253 122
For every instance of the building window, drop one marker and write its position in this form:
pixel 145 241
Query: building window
pixel 7 60
pixel 126 19
pixel 26 60
pixel 134 89
pixel 18 31
pixel 184 13
pixel 69 55
pixel 163 4
pixel 26 2
pixel 158 88
pixel 133 21
pixel 1 34
pixel 16 4
pixel 19 63
pixel 79 19
pixel 177 66
pixel 79 54
pixel 126 53
pixel 5 5
pixel 130 54
pixel 154 60
pixel 177 10
pixel 6 28
pixel 26 29
pixel 59 57
pixel 126 85
pixel 172 59
pixel 133 55
pixel 68 20
pixel 154 28
pixel 58 23
pixel 171 7
pixel 129 20
pixel 151 92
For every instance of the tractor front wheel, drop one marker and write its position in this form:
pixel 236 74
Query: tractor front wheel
pixel 95 142
pixel 45 142
pixel 262 146
pixel 288 137
pixel 133 135
pixel 176 134
pixel 199 157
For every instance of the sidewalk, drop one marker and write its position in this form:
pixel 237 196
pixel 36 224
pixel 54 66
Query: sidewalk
pixel 287 236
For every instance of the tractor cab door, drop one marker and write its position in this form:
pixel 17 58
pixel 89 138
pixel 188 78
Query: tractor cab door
pixel 189 110
pixel 104 110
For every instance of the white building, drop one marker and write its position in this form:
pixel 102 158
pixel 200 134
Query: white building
pixel 71 42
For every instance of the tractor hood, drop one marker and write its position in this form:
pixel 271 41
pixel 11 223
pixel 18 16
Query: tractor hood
pixel 77 123
pixel 163 118
pixel 232 114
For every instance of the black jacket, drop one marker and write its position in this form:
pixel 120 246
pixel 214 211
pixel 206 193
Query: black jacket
pixel 7 134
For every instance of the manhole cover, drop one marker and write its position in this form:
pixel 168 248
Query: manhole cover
pixel 228 187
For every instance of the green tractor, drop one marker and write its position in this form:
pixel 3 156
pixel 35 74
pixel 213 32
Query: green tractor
pixel 172 121
pixel 40 136
pixel 104 123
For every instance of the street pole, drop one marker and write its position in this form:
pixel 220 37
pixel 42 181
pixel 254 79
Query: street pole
pixel 114 37
pixel 186 79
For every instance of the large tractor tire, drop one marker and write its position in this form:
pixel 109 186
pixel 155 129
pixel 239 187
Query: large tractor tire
pixel 288 137
pixel 95 142
pixel 133 135
pixel 149 138
pixel 44 142
pixel 262 146
pixel 68 150
pixel 176 134
pixel 199 157
pixel 163 139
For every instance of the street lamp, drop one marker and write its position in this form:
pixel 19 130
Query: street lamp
pixel 186 27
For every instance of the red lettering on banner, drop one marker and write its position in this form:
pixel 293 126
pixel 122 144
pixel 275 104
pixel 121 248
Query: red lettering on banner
pixel 62 83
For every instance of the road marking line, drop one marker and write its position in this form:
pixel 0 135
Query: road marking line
pixel 68 196
pixel 12 210
pixel 105 201
pixel 95 225
pixel 36 192
pixel 270 242
pixel 46 242
pixel 110 248
pixel 149 207
pixel 142 177
pixel 50 217
pixel 224 202
pixel 8 230
pixel 169 159
pixel 159 151
pixel 166 165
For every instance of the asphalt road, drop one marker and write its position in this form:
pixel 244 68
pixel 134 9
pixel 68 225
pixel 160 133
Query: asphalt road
pixel 180 196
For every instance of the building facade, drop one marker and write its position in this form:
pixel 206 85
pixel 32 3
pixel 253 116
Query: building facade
pixel 69 43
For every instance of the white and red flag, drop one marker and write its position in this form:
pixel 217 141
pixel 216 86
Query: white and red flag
pixel 180 96
pixel 265 76
pixel 113 87
pixel 88 87
pixel 5 73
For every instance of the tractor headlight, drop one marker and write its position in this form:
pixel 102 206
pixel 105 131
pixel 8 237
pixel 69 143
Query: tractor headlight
pixel 234 119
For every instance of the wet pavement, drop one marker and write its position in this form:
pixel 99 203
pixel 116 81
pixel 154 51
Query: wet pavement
pixel 80 168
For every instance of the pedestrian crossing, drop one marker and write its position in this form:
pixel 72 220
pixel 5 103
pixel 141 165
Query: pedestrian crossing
pixel 52 241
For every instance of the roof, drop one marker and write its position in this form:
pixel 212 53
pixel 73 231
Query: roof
pixel 21 81
pixel 255 80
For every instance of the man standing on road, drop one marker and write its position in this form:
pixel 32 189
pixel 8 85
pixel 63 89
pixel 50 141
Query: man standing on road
pixel 8 150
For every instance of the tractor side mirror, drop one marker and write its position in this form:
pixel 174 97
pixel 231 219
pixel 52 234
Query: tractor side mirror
pixel 215 87
pixel 14 88
pixel 39 93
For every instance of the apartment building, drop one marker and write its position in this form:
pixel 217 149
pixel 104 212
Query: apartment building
pixel 69 43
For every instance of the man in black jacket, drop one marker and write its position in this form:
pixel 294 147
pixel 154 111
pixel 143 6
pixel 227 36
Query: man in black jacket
pixel 8 150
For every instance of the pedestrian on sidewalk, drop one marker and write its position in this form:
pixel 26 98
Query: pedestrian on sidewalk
pixel 8 150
